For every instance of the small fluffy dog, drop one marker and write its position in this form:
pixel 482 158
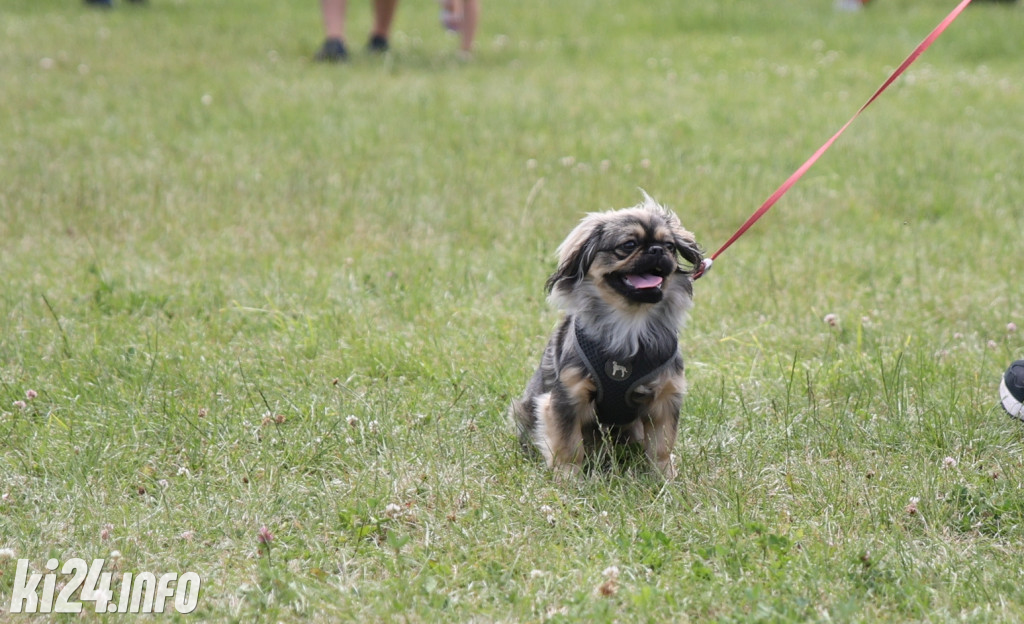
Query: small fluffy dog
pixel 612 369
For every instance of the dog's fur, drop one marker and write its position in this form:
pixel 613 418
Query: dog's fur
pixel 557 413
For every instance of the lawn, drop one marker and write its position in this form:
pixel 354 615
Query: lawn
pixel 262 318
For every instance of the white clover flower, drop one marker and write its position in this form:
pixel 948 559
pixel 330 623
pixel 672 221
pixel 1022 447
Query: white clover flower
pixel 911 509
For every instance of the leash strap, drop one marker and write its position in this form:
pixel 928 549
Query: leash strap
pixel 779 192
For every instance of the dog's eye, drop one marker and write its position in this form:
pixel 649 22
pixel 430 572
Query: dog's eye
pixel 670 247
pixel 628 246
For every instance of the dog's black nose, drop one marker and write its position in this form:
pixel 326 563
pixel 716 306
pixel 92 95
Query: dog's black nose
pixel 656 250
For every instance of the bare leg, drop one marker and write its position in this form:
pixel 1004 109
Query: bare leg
pixel 470 19
pixel 333 49
pixel 383 15
pixel 333 13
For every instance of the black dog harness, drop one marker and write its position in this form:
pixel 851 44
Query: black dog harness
pixel 617 380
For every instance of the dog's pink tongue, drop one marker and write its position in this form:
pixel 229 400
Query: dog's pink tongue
pixel 644 281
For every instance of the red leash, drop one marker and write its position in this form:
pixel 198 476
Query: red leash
pixel 706 264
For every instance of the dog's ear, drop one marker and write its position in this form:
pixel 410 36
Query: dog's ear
pixel 575 255
pixel 689 250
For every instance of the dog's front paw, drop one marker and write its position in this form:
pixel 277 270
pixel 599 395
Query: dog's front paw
pixel 566 472
pixel 667 469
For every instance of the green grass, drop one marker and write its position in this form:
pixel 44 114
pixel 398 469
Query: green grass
pixel 250 290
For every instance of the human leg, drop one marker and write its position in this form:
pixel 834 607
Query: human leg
pixel 383 15
pixel 470 19
pixel 333 13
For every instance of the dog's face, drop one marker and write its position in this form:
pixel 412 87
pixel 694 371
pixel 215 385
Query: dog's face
pixel 629 259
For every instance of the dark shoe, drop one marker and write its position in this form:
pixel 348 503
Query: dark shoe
pixel 332 51
pixel 378 44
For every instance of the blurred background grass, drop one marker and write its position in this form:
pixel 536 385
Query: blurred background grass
pixel 202 229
